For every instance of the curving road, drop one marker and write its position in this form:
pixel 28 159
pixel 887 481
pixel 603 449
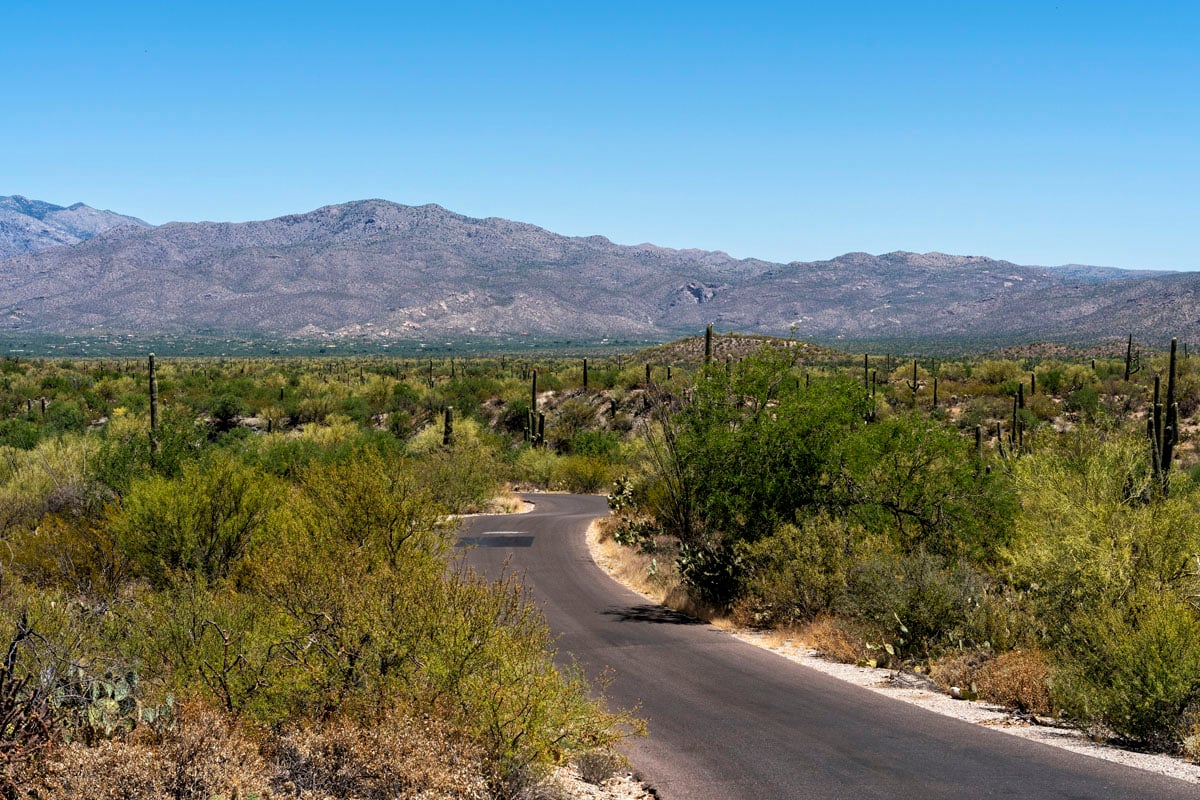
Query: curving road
pixel 729 720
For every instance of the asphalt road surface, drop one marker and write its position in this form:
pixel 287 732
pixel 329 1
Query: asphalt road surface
pixel 729 720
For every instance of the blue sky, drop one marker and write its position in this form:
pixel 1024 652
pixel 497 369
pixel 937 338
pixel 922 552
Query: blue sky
pixel 1040 132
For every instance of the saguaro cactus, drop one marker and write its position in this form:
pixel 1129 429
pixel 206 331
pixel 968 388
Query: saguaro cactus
pixel 448 430
pixel 585 375
pixel 1163 426
pixel 708 346
pixel 1132 360
pixel 914 384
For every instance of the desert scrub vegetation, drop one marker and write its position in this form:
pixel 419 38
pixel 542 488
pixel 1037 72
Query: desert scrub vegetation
pixel 253 565
pixel 1022 536
pixel 233 605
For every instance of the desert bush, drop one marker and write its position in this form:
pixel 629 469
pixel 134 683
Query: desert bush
pixel 1084 401
pixel 462 477
pixel 534 465
pixel 837 638
pixel 579 473
pixel 919 603
pixel 1018 679
pixel 72 552
pixel 18 433
pixel 1133 668
pixel 202 522
pixel 1042 407
pixel 600 443
pixel 235 649
pixel 124 451
pixel 492 662
pixel 372 500
pixel 51 477
pixel 572 416
pixel 1092 528
pixel 800 570
pixel 996 372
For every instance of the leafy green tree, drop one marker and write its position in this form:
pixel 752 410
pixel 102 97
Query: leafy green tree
pixel 917 482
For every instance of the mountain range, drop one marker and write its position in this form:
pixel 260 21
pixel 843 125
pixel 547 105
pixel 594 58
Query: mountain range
pixel 382 271
pixel 27 226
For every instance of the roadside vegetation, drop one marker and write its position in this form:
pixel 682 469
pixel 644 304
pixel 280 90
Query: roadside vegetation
pixel 1025 531
pixel 257 595
pixel 248 583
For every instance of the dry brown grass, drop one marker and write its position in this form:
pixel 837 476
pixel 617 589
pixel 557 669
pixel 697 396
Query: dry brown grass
pixel 1018 679
pixel 397 756
pixel 834 639
pixel 207 756
pixel 210 756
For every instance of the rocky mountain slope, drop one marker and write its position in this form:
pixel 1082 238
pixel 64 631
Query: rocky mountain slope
pixel 381 270
pixel 27 226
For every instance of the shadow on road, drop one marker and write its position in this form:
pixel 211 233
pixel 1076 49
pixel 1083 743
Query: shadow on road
pixel 651 613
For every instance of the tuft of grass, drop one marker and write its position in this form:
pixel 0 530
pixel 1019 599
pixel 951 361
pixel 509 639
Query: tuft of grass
pixel 834 639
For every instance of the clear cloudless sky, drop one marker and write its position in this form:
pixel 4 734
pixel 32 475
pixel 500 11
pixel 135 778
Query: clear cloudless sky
pixel 1040 132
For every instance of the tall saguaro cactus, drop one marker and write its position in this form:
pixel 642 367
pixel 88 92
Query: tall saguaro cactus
pixel 585 375
pixel 448 430
pixel 1163 426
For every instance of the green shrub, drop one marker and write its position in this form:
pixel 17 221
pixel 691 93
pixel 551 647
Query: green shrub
pixel 1133 668
pixel 1083 400
pixel 800 570
pixel 18 433
pixel 919 603
pixel 201 523
pixel 585 474
pixel 535 466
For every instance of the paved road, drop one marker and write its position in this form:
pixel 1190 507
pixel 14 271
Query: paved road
pixel 729 720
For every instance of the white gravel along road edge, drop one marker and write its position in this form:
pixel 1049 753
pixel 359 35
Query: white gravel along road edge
pixel 916 690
